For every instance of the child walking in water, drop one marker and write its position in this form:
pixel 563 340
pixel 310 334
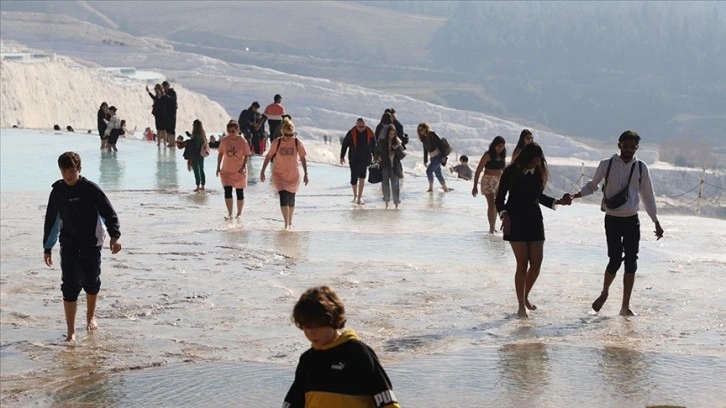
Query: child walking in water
pixel 76 207
pixel 234 151
pixel 339 370
pixel 285 172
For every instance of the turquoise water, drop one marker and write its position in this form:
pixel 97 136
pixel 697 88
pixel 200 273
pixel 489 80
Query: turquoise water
pixel 195 310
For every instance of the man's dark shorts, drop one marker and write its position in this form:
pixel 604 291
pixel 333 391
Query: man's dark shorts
pixel 357 171
pixel 81 269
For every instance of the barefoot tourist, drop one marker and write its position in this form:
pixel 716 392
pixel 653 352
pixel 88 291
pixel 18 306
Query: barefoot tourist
pixel 76 208
pixel 389 154
pixel 234 151
pixel 285 171
pixel 200 150
pixel 492 162
pixel 626 179
pixel 432 147
pixel 360 144
pixel 522 184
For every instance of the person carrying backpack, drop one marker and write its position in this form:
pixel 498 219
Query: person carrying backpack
pixel 360 144
pixel 437 150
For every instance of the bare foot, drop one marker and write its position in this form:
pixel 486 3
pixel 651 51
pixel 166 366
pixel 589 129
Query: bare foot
pixel 627 312
pixel 196 190
pixel 228 217
pixel 522 314
pixel 396 206
pixel 239 215
pixel 386 205
pixel 446 189
pixel 360 202
pixel 92 325
pixel 530 306
pixel 201 188
pixel 71 337
pixel 429 190
pixel 597 304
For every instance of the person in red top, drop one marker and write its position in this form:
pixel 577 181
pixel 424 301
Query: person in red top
pixel 274 113
pixel 234 151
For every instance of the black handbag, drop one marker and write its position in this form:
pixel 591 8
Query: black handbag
pixel 621 197
pixel 374 174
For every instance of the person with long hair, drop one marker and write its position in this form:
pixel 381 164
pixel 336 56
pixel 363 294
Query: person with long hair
pixel 525 138
pixel 285 172
pixel 159 111
pixel 234 152
pixel 492 162
pixel 199 150
pixel 432 150
pixel 522 185
pixel 389 153
pixel 102 118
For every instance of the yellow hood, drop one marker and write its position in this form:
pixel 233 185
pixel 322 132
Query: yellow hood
pixel 346 335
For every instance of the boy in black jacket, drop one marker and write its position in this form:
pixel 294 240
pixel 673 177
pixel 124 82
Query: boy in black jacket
pixel 339 370
pixel 76 208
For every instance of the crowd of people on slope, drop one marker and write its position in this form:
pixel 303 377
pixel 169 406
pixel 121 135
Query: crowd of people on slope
pixel 76 208
pixel 513 191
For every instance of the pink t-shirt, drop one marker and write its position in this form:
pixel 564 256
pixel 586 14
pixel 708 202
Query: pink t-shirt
pixel 233 152
pixel 285 170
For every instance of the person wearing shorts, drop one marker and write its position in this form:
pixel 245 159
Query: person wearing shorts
pixel 76 209
pixel 492 162
pixel 359 142
pixel 234 152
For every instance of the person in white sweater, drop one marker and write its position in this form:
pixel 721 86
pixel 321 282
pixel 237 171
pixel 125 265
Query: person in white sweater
pixel 627 181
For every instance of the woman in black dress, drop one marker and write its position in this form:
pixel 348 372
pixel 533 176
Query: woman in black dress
pixel 522 184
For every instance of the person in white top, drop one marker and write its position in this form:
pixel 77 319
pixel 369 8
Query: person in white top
pixel 627 180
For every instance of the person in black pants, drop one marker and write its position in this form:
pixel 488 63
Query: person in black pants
pixel 522 184
pixel 622 226
pixel 361 142
pixel 102 118
pixel 170 107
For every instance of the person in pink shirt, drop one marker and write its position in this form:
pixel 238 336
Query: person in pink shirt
pixel 274 113
pixel 234 151
pixel 285 172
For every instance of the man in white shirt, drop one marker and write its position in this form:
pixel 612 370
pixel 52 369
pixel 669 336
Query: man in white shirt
pixel 627 178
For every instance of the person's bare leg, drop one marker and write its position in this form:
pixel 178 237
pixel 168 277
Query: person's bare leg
pixel 520 277
pixel 361 184
pixel 628 282
pixel 600 301
pixel 70 310
pixel 491 213
pixel 283 210
pixel 355 192
pixel 536 253
pixel 228 202
pixel 240 207
pixel 290 211
pixel 161 137
pixel 431 187
pixel 91 323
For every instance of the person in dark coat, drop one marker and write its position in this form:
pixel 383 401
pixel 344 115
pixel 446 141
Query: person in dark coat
pixel 102 118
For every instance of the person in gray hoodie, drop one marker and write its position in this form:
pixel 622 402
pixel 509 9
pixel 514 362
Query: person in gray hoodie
pixel 389 153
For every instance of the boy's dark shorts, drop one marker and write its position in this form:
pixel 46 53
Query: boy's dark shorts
pixel 81 269
pixel 357 171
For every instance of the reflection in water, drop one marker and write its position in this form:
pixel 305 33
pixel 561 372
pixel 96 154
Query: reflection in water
pixel 290 243
pixel 110 171
pixel 525 371
pixel 166 173
pixel 628 369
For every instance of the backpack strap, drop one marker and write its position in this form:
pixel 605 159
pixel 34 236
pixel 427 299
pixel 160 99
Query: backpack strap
pixel 640 171
pixel 607 174
pixel 279 140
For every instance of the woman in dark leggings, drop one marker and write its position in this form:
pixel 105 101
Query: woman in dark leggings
pixel 285 172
